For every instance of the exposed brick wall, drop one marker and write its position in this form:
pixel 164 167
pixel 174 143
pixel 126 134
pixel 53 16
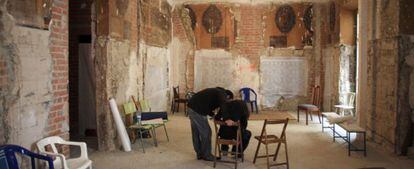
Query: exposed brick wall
pixel 249 41
pixel 133 19
pixel 178 27
pixel 155 22
pixel 58 117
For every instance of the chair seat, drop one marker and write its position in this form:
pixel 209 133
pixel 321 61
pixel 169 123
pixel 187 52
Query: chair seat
pixel 79 163
pixel 180 100
pixel 227 142
pixel 270 139
pixel 308 107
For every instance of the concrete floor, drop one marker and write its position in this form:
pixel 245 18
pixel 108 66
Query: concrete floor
pixel 308 148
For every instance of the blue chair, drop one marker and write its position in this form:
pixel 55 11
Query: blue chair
pixel 8 158
pixel 245 94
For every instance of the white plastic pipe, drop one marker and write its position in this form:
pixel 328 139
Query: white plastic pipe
pixel 126 143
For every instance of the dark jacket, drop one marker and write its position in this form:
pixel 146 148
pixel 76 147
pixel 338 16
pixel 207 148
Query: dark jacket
pixel 235 110
pixel 207 100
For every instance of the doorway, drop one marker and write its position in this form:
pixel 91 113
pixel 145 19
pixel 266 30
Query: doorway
pixel 348 55
pixel 82 113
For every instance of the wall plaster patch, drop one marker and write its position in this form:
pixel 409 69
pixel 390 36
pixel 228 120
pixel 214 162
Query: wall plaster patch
pixel 282 76
pixel 214 68
pixel 156 77
pixel 31 110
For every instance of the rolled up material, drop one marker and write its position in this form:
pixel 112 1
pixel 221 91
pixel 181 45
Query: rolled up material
pixel 126 143
pixel 341 119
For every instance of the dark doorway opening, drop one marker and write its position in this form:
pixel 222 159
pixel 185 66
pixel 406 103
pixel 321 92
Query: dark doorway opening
pixel 82 112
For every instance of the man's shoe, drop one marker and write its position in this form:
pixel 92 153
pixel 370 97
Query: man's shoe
pixel 199 157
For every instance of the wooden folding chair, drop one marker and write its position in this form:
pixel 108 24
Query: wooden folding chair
pixel 238 143
pixel 267 139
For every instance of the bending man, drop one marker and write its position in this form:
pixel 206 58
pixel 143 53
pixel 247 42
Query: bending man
pixel 200 105
pixel 231 112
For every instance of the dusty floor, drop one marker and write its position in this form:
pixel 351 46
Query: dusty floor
pixel 308 148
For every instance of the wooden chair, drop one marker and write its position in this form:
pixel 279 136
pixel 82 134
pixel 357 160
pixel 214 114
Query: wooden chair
pixel 313 106
pixel 267 139
pixel 238 143
pixel 175 103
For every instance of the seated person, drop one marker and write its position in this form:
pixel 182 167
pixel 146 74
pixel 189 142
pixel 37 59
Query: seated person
pixel 231 112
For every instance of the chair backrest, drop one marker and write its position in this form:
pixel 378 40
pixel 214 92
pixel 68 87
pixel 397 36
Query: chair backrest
pixel 176 92
pixel 49 141
pixel 349 98
pixel 189 94
pixel 145 106
pixel 218 123
pixel 316 95
pixel 129 108
pixel 245 94
pixel 8 158
pixel 137 106
pixel 275 122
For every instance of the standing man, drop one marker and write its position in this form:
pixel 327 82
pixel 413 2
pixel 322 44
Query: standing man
pixel 200 105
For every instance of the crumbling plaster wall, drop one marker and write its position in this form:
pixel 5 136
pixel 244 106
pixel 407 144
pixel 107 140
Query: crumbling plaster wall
pixel 131 54
pixel 116 62
pixel 33 92
pixel 156 75
pixel 155 52
pixel 243 58
pixel 330 54
pixel 182 50
pixel 378 112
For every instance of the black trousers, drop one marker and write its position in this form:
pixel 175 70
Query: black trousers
pixel 246 135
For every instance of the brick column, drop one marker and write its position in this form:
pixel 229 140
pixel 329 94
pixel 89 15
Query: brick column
pixel 58 116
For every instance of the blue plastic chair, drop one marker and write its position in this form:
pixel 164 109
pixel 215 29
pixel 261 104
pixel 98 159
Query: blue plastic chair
pixel 246 97
pixel 8 158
